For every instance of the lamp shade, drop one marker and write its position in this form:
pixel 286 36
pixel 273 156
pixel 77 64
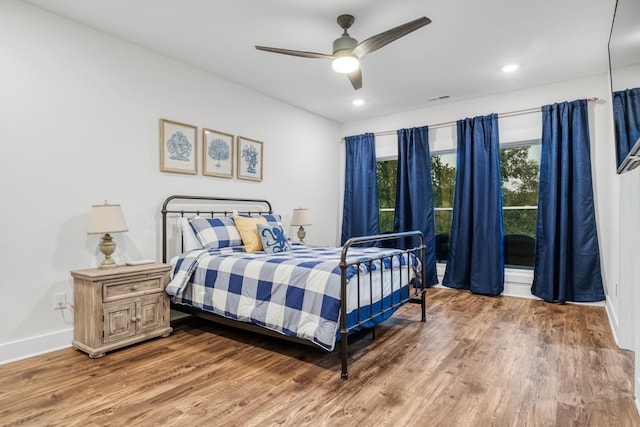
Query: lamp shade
pixel 106 219
pixel 301 217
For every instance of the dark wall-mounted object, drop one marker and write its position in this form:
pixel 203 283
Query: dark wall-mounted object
pixel 624 66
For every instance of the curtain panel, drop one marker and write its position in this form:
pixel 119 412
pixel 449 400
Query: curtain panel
pixel 567 260
pixel 476 260
pixel 414 195
pixel 626 116
pixel 360 215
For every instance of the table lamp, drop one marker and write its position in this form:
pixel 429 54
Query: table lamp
pixel 106 219
pixel 301 217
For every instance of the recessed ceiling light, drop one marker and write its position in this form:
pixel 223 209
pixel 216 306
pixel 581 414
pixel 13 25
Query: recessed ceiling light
pixel 510 68
pixel 358 101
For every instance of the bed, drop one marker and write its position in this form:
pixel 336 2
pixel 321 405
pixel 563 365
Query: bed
pixel 316 296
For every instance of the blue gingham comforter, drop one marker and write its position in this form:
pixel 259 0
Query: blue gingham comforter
pixel 295 293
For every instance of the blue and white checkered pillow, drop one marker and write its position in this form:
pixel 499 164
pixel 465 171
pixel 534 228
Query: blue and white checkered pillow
pixel 272 219
pixel 215 233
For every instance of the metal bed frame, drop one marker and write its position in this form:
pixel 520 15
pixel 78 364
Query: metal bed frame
pixel 417 292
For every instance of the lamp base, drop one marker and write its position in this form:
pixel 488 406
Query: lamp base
pixel 301 234
pixel 107 247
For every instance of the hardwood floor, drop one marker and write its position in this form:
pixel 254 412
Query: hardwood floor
pixel 477 361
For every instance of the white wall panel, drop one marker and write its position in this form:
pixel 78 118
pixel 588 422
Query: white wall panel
pixel 79 114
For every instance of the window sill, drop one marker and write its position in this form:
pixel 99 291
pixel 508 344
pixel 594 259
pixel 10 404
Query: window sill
pixel 518 275
pixel 517 281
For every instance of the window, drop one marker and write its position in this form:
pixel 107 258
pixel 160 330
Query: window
pixel 443 174
pixel 443 178
pixel 520 168
pixel 386 171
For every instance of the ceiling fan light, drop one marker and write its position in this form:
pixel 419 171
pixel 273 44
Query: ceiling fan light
pixel 345 64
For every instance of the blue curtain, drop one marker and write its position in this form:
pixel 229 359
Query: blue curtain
pixel 476 259
pixel 567 261
pixel 360 216
pixel 414 195
pixel 626 116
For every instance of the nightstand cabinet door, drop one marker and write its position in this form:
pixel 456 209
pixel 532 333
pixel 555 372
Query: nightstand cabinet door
pixel 119 306
pixel 149 313
pixel 119 321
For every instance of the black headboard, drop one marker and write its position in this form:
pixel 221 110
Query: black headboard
pixel 180 206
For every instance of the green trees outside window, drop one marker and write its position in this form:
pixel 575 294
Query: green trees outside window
pixel 520 169
pixel 386 171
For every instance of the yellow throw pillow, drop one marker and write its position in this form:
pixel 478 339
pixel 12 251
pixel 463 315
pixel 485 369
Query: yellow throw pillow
pixel 248 228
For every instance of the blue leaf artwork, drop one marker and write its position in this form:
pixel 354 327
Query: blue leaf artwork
pixel 250 155
pixel 219 150
pixel 179 147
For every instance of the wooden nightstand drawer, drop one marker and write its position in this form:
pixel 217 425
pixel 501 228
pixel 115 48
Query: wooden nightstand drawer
pixel 125 289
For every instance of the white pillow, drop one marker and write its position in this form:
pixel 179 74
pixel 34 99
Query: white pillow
pixel 189 238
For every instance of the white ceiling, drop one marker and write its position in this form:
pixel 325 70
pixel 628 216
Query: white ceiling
pixel 460 54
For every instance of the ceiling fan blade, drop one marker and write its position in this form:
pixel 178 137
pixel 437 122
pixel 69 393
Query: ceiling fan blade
pixel 380 40
pixel 356 78
pixel 295 52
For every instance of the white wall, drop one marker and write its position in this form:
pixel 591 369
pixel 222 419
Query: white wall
pixel 79 115
pixel 629 267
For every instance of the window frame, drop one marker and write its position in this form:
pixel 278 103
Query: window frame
pixel 453 150
pixel 381 210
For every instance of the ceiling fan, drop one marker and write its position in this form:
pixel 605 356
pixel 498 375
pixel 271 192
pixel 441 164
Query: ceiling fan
pixel 347 51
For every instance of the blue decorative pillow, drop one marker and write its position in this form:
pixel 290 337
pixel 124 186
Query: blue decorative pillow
pixel 215 233
pixel 273 238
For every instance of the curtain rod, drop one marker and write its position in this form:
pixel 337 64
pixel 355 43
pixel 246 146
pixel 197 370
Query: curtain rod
pixel 450 123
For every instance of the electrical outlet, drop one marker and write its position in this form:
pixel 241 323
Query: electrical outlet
pixel 59 301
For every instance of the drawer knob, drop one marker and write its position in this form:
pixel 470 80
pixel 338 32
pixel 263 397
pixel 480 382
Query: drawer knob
pixel 138 317
pixel 134 287
pixel 133 319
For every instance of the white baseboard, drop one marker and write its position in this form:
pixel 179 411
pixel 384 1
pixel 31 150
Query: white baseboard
pixel 638 390
pixel 613 321
pixel 34 346
pixel 517 283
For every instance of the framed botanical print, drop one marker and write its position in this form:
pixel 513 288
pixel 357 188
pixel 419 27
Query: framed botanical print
pixel 178 147
pixel 249 159
pixel 217 153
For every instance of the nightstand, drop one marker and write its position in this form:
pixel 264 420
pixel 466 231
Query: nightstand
pixel 117 307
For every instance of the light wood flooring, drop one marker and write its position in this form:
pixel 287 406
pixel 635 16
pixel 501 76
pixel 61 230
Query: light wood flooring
pixel 477 361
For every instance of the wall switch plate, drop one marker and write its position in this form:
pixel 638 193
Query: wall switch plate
pixel 59 301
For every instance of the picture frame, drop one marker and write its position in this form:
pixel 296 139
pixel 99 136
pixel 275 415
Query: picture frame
pixel 217 153
pixel 178 147
pixel 249 154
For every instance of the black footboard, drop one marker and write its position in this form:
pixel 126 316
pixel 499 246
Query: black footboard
pixel 415 291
